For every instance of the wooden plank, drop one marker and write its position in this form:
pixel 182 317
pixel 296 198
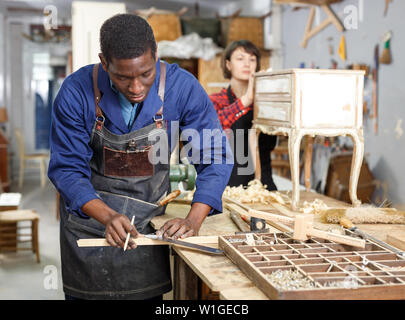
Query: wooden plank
pixel 397 241
pixel 269 216
pixel 102 242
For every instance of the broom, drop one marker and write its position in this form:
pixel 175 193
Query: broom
pixel 385 57
pixel 364 214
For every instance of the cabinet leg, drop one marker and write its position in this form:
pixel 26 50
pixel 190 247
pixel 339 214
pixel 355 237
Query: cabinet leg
pixel 308 162
pixel 358 153
pixel 294 142
pixel 254 134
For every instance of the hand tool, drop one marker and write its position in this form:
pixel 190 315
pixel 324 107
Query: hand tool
pixel 387 3
pixel 346 223
pixel 303 229
pixel 184 244
pixel 256 223
pixel 239 222
pixel 170 197
pixel 128 235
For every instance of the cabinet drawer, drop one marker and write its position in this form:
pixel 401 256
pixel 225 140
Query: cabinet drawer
pixel 274 84
pixel 279 111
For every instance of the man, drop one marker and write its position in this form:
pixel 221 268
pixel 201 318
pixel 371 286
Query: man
pixel 105 121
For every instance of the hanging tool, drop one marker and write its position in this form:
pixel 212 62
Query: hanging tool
pixel 346 223
pixel 375 87
pixel 386 54
pixel 342 48
pixel 184 244
pixel 387 4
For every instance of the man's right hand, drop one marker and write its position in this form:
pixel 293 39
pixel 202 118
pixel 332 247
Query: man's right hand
pixel 116 230
pixel 117 225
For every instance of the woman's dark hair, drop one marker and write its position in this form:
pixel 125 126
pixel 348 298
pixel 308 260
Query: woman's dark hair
pixel 247 46
pixel 126 36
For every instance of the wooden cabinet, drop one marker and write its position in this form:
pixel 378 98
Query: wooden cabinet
pixel 299 102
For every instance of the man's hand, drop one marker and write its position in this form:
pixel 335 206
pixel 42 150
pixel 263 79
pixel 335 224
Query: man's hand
pixel 116 231
pixel 179 228
pixel 117 225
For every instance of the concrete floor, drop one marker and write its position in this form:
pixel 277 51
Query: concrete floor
pixel 21 277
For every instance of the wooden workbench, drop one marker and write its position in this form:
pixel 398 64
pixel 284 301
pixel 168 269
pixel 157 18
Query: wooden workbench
pixel 198 276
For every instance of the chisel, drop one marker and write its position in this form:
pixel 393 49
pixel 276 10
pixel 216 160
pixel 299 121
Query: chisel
pixel 350 226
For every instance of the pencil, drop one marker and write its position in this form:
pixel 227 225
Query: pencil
pixel 128 235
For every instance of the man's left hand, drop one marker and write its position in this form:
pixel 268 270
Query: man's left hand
pixel 179 228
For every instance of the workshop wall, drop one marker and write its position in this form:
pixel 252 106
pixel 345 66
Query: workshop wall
pixel 385 150
pixel 2 35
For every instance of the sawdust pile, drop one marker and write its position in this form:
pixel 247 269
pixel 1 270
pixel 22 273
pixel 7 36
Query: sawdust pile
pixel 286 280
pixel 255 192
pixel 317 206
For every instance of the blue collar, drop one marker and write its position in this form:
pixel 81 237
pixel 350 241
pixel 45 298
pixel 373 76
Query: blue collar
pixel 109 102
pixel 127 108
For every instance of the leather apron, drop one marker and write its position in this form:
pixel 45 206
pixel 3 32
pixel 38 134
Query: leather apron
pixel 129 183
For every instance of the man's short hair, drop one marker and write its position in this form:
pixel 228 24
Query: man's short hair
pixel 126 36
pixel 248 46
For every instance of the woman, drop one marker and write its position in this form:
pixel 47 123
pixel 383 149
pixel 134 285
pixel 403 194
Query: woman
pixel 234 106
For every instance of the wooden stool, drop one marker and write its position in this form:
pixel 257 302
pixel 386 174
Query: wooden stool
pixel 9 230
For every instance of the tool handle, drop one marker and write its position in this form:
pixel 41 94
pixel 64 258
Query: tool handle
pixel 269 216
pixel 170 197
pixel 227 199
pixel 338 238
pixel 241 224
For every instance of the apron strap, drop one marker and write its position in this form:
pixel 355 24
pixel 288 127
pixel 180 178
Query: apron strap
pixel 97 96
pixel 158 118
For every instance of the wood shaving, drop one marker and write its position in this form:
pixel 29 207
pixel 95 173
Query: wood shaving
pixel 317 206
pixel 255 192
pixel 372 215
pixel 290 280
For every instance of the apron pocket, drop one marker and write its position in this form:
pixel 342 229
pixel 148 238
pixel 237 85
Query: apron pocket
pixel 128 164
pixel 90 227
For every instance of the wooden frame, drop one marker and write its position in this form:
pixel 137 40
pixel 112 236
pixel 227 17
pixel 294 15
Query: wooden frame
pixel 331 19
pixel 373 268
